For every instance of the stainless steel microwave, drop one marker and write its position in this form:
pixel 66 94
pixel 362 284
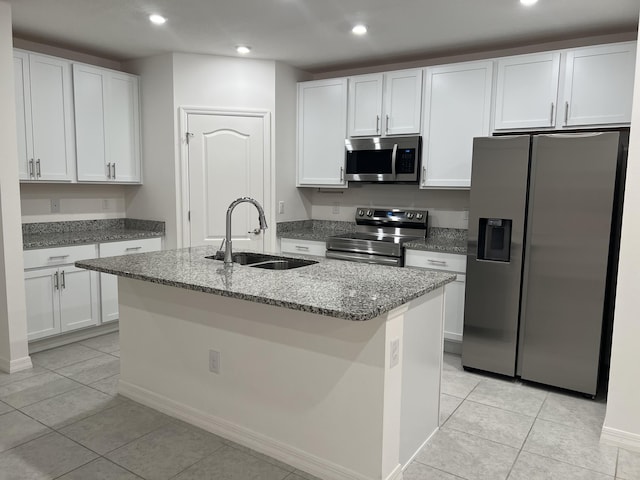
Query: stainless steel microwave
pixel 389 159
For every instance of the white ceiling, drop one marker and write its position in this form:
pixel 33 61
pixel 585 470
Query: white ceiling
pixel 314 34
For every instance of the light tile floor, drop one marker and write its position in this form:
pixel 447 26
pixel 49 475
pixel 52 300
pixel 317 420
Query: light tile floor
pixel 63 419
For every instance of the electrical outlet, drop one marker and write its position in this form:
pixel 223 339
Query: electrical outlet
pixel 465 215
pixel 394 352
pixel 281 207
pixel 214 361
pixel 106 204
pixel 336 208
pixel 55 205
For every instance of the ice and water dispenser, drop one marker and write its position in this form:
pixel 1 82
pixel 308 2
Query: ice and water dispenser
pixel 494 239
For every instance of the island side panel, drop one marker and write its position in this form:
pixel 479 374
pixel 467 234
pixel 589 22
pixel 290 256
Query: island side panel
pixel 306 389
pixel 421 372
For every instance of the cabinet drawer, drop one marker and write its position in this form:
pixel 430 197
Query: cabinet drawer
pixel 306 247
pixel 450 262
pixel 113 249
pixel 48 257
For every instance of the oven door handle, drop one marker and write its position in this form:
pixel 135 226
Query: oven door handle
pixel 354 257
pixel 394 154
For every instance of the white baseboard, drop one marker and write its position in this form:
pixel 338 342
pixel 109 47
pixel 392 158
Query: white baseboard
pixel 13 366
pixel 620 438
pixel 36 346
pixel 248 438
pixel 404 467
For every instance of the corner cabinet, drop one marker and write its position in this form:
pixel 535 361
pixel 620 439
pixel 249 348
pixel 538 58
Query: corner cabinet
pixel 385 103
pixel 109 283
pixel 44 117
pixel 457 109
pixel 107 115
pixel 322 129
pixel 454 292
pixel 598 85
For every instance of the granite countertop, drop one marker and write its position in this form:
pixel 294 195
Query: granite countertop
pixel 315 230
pixel 446 240
pixel 348 290
pixel 81 232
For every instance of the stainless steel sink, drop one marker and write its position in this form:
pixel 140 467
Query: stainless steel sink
pixel 262 260
pixel 284 264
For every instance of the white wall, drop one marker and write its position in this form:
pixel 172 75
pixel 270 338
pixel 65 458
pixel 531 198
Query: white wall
pixel 297 203
pixel 447 208
pixel 622 423
pixel 156 198
pixel 14 354
pixel 77 202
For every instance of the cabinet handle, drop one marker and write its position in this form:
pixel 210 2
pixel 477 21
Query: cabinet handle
pixel 341 174
pixel 31 168
pixel 38 173
pixel 551 116
pixel 108 170
pixel 566 113
pixel 128 249
pixel 113 165
pixel 54 257
pixel 255 231
pixel 437 262
pixel 64 284
pixel 56 284
pixel 300 247
pixel 377 124
pixel 386 131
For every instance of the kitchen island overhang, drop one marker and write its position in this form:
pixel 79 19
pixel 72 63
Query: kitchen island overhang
pixel 337 398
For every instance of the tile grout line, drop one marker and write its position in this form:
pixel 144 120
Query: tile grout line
pixel 201 460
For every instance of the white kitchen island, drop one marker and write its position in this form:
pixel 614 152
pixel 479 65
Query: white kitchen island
pixel 333 368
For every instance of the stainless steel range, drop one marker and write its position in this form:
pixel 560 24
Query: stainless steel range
pixel 380 235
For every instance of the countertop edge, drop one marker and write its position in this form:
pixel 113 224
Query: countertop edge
pixel 263 300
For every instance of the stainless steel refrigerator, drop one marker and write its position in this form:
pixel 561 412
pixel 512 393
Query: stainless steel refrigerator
pixel 544 224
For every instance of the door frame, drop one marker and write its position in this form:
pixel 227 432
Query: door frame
pixel 182 195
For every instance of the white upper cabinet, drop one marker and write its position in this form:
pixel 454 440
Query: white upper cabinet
pixel 322 128
pixel 44 117
pixel 527 91
pixel 457 109
pixel 107 125
pixel 402 102
pixel 365 105
pixel 385 104
pixel 598 85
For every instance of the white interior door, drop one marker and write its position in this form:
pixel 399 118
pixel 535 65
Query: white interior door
pixel 227 160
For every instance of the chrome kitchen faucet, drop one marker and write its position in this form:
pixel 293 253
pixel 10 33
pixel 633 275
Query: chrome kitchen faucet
pixel 228 262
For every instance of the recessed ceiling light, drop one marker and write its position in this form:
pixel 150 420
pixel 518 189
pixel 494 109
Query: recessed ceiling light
pixel 157 19
pixel 243 49
pixel 359 29
pixel 528 3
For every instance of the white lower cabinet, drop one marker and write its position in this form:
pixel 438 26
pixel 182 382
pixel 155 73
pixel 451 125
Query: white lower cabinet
pixel 453 292
pixel 109 283
pixel 59 298
pixel 306 247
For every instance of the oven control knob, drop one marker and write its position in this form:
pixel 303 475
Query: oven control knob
pixel 410 215
pixel 419 216
pixel 360 212
pixel 369 213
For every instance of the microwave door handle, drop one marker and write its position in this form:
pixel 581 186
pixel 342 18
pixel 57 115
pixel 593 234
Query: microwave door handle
pixel 393 160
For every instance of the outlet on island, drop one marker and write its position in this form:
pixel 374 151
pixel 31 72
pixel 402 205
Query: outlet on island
pixel 214 361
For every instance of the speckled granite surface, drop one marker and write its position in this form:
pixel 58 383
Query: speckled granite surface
pixel 446 240
pixel 349 290
pixel 79 232
pixel 317 230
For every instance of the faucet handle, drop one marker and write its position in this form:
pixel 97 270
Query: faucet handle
pixel 222 244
